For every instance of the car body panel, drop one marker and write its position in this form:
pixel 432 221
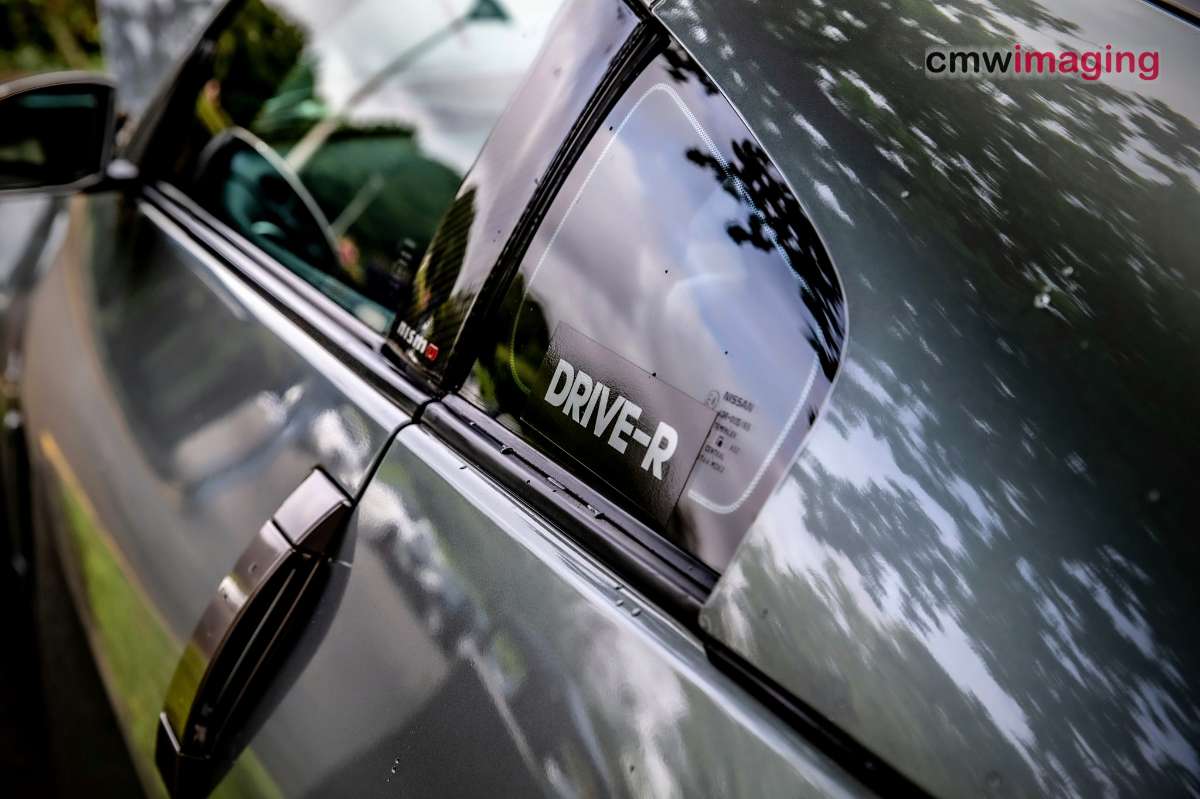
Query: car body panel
pixel 170 410
pixel 477 651
pixel 982 565
pixel 34 226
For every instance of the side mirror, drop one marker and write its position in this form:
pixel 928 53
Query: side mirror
pixel 56 130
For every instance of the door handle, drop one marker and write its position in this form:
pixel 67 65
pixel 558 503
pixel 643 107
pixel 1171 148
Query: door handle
pixel 247 627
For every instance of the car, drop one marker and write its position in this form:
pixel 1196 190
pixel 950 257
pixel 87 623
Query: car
pixel 602 397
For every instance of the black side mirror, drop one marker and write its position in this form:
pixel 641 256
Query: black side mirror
pixel 56 130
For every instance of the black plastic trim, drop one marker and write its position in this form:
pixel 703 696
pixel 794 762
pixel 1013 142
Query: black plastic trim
pixel 695 569
pixel 819 731
pixel 670 577
pixel 646 41
pixel 348 339
pixel 1186 10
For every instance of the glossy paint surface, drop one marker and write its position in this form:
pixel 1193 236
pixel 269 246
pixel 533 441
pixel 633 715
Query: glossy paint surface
pixel 983 564
pixel 477 652
pixel 660 226
pixel 170 411
pixel 585 40
pixel 34 226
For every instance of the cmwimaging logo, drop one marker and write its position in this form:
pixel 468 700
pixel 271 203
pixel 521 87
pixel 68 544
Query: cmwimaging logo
pixel 1023 62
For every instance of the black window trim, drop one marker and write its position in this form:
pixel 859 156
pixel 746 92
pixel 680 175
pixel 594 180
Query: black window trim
pixel 312 294
pixel 647 40
pixel 345 336
pixel 673 578
pixel 138 146
pixel 1186 10
pixel 679 581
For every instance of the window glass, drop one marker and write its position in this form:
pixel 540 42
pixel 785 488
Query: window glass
pixel 334 135
pixel 675 323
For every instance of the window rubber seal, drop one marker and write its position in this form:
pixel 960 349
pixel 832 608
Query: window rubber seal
pixel 674 579
pixel 330 325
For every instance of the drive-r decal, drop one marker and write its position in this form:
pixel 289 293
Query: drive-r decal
pixel 577 394
pixel 635 431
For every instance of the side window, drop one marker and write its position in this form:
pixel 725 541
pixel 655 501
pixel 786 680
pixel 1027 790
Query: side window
pixel 675 323
pixel 335 135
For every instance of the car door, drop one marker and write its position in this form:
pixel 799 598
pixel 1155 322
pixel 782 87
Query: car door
pixel 206 342
pixel 170 411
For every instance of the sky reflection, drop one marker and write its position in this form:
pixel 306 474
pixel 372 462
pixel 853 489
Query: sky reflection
pixel 979 565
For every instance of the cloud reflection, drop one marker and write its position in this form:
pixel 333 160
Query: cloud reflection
pixel 965 568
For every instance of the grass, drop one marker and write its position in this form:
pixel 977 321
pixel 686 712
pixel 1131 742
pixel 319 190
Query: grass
pixel 136 653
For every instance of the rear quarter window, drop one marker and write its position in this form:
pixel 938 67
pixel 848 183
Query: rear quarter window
pixel 675 324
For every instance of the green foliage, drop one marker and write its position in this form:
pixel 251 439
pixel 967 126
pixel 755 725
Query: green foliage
pixel 340 169
pixel 138 654
pixel 47 35
pixel 253 59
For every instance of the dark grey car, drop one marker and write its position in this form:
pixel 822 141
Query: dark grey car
pixel 585 397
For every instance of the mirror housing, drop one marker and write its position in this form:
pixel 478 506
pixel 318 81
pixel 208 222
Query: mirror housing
pixel 56 131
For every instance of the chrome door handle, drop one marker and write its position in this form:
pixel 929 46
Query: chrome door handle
pixel 249 624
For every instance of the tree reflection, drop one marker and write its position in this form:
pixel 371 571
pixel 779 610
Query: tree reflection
pixel 512 361
pixel 374 188
pixel 775 219
pixel 977 565
pixel 576 703
pixel 682 69
pixel 433 309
